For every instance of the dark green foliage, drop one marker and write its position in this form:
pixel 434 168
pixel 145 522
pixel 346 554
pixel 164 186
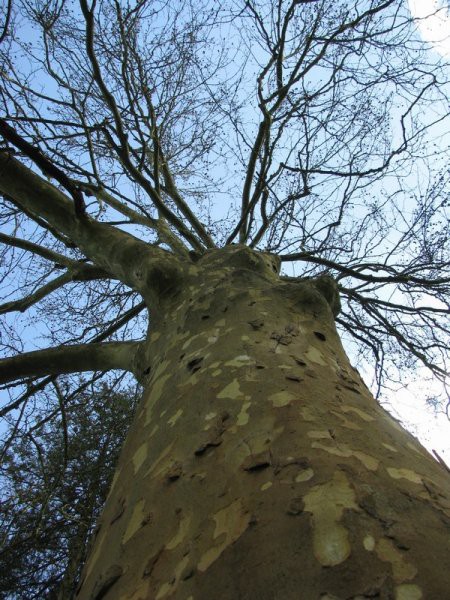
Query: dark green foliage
pixel 54 481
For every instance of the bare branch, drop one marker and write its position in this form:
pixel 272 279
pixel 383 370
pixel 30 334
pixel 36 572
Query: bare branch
pixel 71 359
pixel 108 247
pixel 46 253
pixel 80 272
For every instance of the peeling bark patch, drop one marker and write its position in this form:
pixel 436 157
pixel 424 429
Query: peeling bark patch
pixel 307 414
pixel 343 450
pixel 305 475
pixel 346 408
pixel 170 587
pixel 389 447
pixel 231 522
pixel 155 393
pixel 163 461
pixel 183 529
pixel 174 418
pixel 107 580
pixel 239 361
pixel 243 416
pixel 317 435
pixel 327 502
pixel 408 591
pixel 369 543
pixel 280 399
pixel 401 569
pixel 345 422
pixel 120 509
pixel 404 474
pixel 315 356
pixel 135 521
pixel 139 457
pixel 232 390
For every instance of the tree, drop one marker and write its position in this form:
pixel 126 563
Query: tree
pixel 55 480
pixel 190 152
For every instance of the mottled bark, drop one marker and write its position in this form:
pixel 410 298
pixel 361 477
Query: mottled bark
pixel 259 466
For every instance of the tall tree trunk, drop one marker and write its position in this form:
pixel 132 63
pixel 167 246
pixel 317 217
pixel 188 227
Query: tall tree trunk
pixel 259 466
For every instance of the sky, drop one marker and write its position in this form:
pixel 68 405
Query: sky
pixel 408 405
pixel 431 427
pixel 434 23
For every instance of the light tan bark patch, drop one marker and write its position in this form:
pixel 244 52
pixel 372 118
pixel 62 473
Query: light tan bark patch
pixel 408 591
pixel 315 356
pixel 363 415
pixel 369 543
pixel 266 486
pixel 327 502
pixel 140 594
pixel 135 521
pixel 343 450
pixel 280 399
pixel 155 394
pixel 174 418
pixel 401 569
pixel 389 447
pixel 163 461
pixel 139 457
pixel 232 390
pixel 231 522
pixel 318 435
pixel 345 422
pixel 307 414
pixel 404 474
pixel 183 529
pixel 243 416
pixel 305 475
pixel 239 361
pixel 170 587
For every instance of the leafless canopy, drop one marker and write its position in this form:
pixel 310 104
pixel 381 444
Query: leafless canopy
pixel 314 129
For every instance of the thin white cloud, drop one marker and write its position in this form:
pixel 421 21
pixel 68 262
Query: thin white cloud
pixel 433 22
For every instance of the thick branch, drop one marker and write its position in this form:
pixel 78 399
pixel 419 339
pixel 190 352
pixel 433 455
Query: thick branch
pixel 158 225
pixel 44 164
pixel 71 359
pixel 119 253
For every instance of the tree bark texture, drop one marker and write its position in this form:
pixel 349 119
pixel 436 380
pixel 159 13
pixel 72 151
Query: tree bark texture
pixel 259 466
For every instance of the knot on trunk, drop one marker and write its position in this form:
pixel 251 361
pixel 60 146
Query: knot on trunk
pixel 241 257
pixel 328 287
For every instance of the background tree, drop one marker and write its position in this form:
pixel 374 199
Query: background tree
pixel 55 476
pixel 310 133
